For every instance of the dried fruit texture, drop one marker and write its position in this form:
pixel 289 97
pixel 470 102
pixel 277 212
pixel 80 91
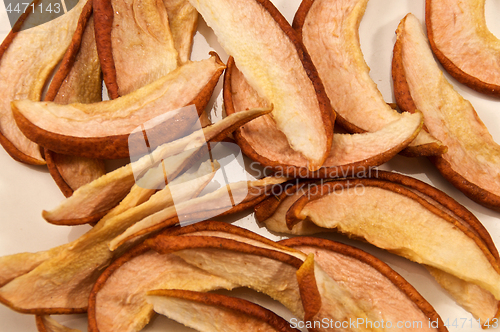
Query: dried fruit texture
pixel 461 41
pixel 333 26
pixel 78 80
pixel 183 20
pixel 27 59
pixel 413 220
pixel 472 162
pixel 48 324
pixel 118 299
pixel 102 130
pixel 278 68
pixel 213 312
pixel 371 281
pixel 62 283
pixel 135 44
pixel 92 201
pixel 261 140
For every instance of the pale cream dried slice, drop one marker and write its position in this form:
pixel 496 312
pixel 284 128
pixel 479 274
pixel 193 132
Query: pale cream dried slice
pixel 371 281
pixel 27 59
pixel 472 162
pixel 103 130
pixel 421 225
pixel 214 312
pixel 183 21
pixel 223 200
pixel 329 30
pixel 271 57
pixel 461 41
pixel 92 201
pixel 261 140
pixel 46 323
pixel 135 44
pixel 118 299
pixel 62 284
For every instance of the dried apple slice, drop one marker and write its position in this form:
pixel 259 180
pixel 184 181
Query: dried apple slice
pixel 411 219
pixel 183 20
pixel 263 142
pixel 102 130
pixel 46 323
pixel 210 312
pixel 472 162
pixel 329 31
pixel 273 60
pixel 461 41
pixel 135 44
pixel 27 60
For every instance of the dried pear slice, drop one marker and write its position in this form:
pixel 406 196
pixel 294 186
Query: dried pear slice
pixel 461 41
pixel 46 323
pixel 472 162
pixel 91 201
pixel 329 31
pixel 27 59
pixel 411 219
pixel 118 299
pixel 135 44
pixel 261 140
pixel 183 20
pixel 102 130
pixel 62 284
pixel 214 312
pixel 271 57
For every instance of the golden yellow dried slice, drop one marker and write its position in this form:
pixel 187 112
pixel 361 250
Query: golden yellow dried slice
pixel 183 20
pixel 270 56
pixel 329 30
pixel 46 323
pixel 27 59
pixel 472 162
pixel 461 41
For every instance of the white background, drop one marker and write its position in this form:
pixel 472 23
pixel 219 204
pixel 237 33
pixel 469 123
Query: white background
pixel 26 190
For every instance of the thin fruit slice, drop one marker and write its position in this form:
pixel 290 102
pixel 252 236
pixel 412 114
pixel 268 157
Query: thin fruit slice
pixel 472 162
pixel 461 41
pixel 92 201
pixel 46 323
pixel 371 281
pixel 271 57
pixel 27 59
pixel 329 30
pixel 413 220
pixel 183 20
pixel 135 44
pixel 118 299
pixel 214 312
pixel 261 140
pixel 103 130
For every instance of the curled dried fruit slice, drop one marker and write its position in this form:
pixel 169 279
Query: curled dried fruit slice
pixel 183 20
pixel 27 60
pixel 261 140
pixel 271 57
pixel 213 312
pixel 103 130
pixel 413 220
pixel 48 324
pixel 472 162
pixel 461 41
pixel 329 30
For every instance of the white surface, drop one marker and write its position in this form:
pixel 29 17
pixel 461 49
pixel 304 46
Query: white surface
pixel 25 191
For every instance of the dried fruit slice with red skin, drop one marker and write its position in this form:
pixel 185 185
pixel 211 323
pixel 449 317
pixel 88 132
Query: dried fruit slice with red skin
pixel 27 59
pixel 183 20
pixel 210 312
pixel 370 280
pixel 118 299
pixel 473 158
pixel 103 130
pixel 263 142
pixel 427 230
pixel 135 44
pixel 278 68
pixel 92 201
pixel 461 41
pixel 48 324
pixel 333 26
